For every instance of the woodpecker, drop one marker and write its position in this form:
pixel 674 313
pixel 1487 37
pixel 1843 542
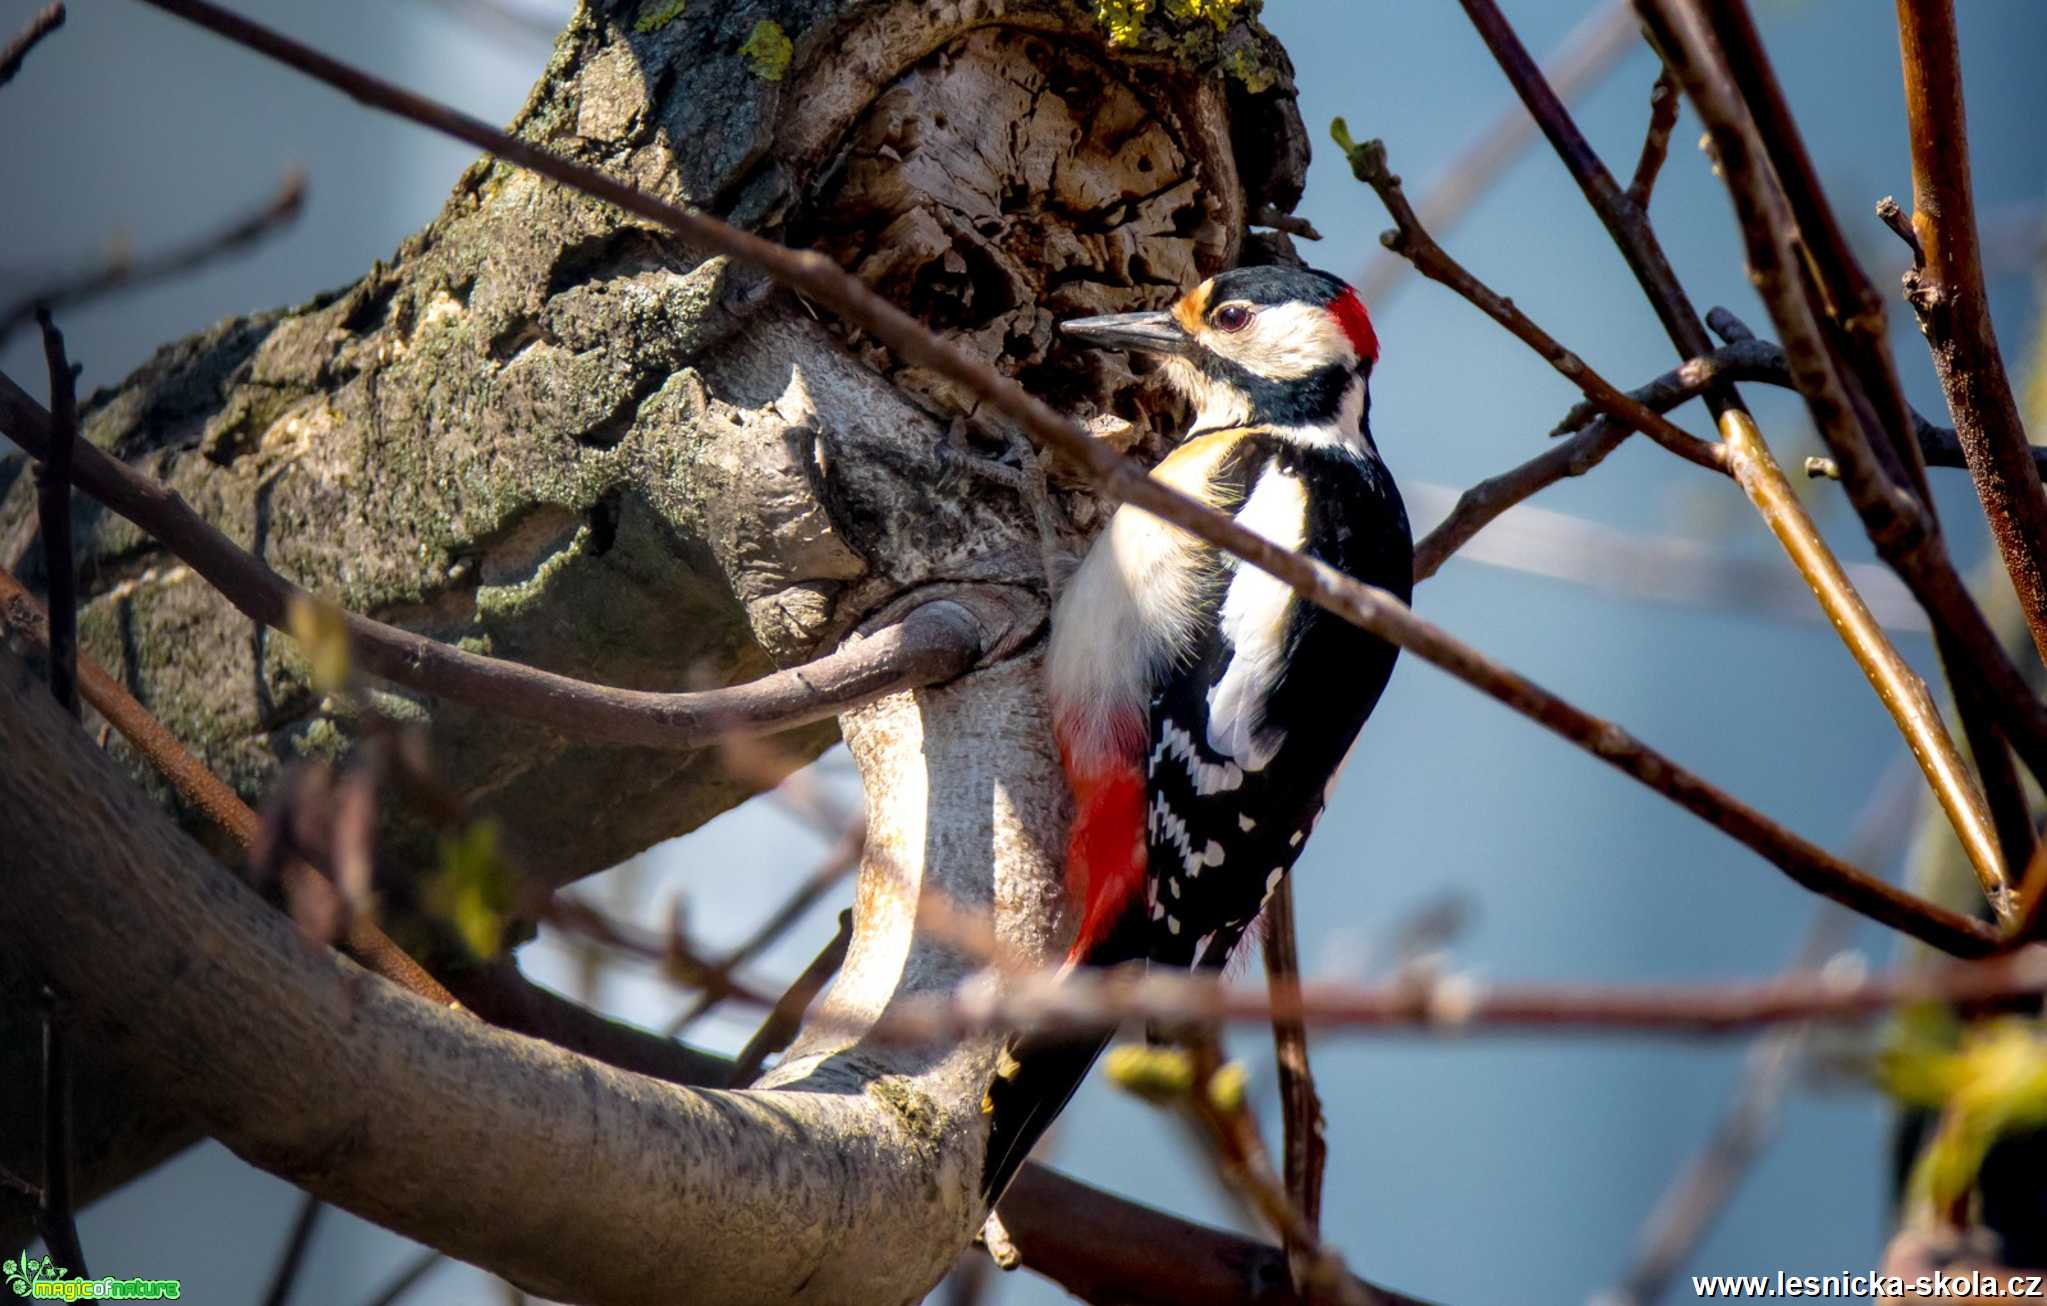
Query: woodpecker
pixel 1201 709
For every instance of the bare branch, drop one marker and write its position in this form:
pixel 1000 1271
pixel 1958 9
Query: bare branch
pixel 292 1258
pixel 274 215
pixel 1954 309
pixel 1461 1006
pixel 935 642
pixel 1413 242
pixel 53 517
pixel 1579 62
pixel 47 20
pixel 823 281
pixel 1595 437
pixel 1663 106
pixel 55 1211
pixel 1241 1158
pixel 779 1030
pixel 844 860
pixel 1306 1151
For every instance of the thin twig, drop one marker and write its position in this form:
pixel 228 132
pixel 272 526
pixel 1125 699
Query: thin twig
pixel 1241 1159
pixel 1842 295
pixel 937 641
pixel 1893 216
pixel 1411 240
pixel 291 1260
pixel 824 282
pixel 1954 308
pixel 1701 1191
pixel 1593 438
pixel 122 272
pixel 1305 1154
pixel 1663 106
pixel 786 1017
pixel 53 517
pixel 47 20
pixel 370 946
pixel 1579 62
pixel 408 1278
pixel 56 1214
pixel 843 861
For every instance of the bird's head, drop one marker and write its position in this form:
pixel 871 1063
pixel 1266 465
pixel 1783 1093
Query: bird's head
pixel 1288 348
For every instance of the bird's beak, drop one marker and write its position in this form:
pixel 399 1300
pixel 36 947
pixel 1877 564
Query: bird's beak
pixel 1149 333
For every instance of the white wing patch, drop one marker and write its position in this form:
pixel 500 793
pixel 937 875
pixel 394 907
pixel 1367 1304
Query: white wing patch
pixel 1255 613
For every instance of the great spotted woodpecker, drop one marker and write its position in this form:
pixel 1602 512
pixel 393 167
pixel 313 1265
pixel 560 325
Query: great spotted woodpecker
pixel 1201 709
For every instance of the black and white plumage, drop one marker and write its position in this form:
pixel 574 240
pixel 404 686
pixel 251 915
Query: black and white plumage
pixel 1202 710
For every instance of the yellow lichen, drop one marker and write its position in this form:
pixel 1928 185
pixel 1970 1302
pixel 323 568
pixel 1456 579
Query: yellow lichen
pixel 768 49
pixel 657 14
pixel 1125 19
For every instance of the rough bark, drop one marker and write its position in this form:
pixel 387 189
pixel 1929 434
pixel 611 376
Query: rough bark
pixel 559 436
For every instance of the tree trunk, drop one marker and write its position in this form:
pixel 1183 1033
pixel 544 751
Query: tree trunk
pixel 558 436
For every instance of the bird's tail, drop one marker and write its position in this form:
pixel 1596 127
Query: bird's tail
pixel 1035 1077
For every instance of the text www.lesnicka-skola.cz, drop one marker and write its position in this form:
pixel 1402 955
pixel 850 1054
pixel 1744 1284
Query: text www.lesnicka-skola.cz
pixel 1948 1285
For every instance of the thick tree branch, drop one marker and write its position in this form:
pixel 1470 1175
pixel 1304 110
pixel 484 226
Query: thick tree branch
pixel 1103 1249
pixel 932 643
pixel 1954 308
pixel 483 1143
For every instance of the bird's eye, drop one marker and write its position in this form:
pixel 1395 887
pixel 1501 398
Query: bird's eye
pixel 1231 317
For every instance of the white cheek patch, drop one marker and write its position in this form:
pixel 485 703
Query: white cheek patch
pixel 1255 614
pixel 1285 342
pixel 1216 407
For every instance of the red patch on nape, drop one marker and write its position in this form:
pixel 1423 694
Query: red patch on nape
pixel 1349 310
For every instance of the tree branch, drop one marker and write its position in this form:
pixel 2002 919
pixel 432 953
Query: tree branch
pixel 53 518
pixel 1305 1154
pixel 1578 62
pixel 931 644
pixel 1104 1249
pixel 1954 309
pixel 1663 106
pixel 46 20
pixel 1755 469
